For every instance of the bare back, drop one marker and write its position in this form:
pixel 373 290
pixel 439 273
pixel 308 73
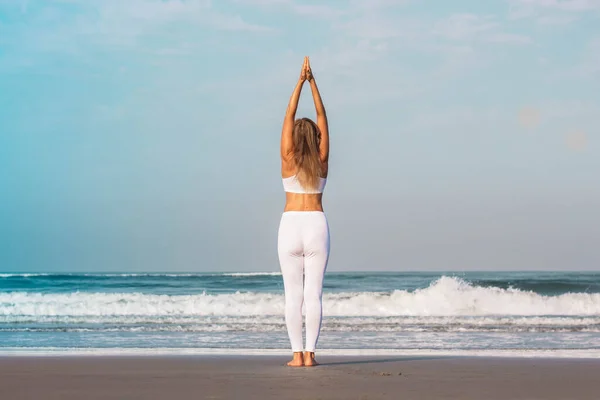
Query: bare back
pixel 301 201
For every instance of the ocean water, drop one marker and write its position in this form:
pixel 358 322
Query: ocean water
pixel 408 311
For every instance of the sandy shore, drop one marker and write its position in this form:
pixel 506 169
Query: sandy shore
pixel 266 377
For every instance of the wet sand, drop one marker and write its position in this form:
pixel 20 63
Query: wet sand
pixel 266 377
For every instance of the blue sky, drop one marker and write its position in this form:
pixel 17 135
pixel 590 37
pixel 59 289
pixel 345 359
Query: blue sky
pixel 143 134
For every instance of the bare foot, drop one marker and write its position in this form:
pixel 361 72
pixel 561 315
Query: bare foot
pixel 297 360
pixel 309 359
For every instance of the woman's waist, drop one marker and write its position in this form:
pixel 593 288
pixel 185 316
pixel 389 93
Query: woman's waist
pixel 303 202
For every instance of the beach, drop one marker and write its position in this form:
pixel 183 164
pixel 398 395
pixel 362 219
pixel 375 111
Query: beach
pixel 266 377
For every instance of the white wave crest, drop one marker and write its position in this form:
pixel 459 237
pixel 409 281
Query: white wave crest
pixel 444 297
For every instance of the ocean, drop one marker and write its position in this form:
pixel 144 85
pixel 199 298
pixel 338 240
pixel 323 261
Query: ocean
pixel 370 311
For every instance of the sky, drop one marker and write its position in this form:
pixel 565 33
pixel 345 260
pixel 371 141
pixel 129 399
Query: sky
pixel 143 135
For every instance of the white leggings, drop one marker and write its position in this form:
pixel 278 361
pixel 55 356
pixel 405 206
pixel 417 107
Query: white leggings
pixel 303 248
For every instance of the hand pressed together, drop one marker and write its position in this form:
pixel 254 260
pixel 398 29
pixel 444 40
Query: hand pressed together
pixel 306 72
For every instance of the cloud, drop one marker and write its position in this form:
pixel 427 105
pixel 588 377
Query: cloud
pixel 556 19
pixel 294 7
pixel 472 27
pixel 64 23
pixel 314 10
pixel 227 22
pixel 551 12
pixel 343 7
pixel 565 5
pixel 379 27
pixel 465 26
pixel 508 38
pixel 157 12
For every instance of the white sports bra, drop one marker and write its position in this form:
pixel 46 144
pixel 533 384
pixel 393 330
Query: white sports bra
pixel 292 185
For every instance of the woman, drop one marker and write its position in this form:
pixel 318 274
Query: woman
pixel 303 240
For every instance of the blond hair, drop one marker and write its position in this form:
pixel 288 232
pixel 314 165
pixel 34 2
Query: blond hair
pixel 307 137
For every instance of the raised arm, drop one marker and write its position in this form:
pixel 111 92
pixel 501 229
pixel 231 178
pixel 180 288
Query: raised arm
pixel 287 142
pixel 321 115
